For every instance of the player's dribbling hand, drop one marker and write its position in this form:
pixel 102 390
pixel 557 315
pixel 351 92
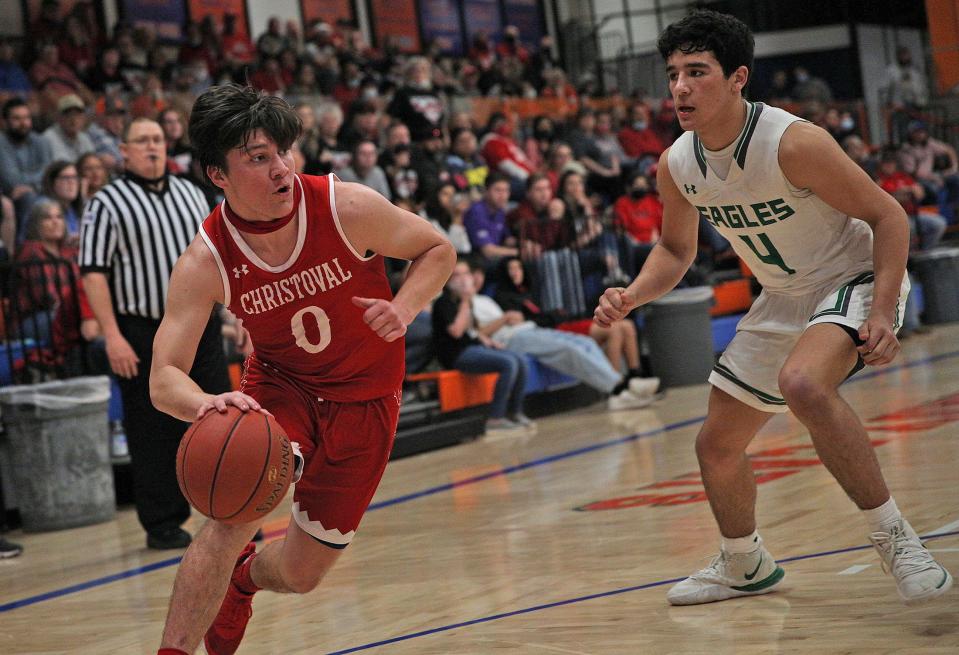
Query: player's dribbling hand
pixel 383 317
pixel 881 344
pixel 614 304
pixel 235 398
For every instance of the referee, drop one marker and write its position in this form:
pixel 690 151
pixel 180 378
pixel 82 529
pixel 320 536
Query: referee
pixel 132 233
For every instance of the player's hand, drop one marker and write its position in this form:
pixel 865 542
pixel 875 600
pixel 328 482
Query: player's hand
pixel 123 361
pixel 614 304
pixel 235 398
pixel 881 345
pixel 383 317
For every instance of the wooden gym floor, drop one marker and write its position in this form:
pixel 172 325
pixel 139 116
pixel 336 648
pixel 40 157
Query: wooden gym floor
pixel 563 541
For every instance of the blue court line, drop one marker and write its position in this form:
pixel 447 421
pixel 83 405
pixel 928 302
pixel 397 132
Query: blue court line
pixel 580 599
pixel 83 586
pixel 430 491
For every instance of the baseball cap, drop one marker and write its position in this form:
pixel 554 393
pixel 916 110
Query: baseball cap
pixel 70 101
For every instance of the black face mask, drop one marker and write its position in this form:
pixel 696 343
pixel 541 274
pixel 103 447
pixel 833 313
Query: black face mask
pixel 543 135
pixel 638 193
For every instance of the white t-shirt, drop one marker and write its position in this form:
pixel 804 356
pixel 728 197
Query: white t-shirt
pixel 486 310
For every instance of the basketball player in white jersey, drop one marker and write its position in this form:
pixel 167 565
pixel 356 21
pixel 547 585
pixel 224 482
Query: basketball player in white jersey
pixel 783 193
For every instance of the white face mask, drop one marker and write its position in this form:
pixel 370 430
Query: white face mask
pixel 847 123
pixel 639 125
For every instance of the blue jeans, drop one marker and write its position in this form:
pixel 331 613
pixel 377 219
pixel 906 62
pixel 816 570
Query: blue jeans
pixel 511 384
pixel 576 355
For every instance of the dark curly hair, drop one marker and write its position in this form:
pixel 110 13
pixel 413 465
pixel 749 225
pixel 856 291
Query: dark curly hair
pixel 224 117
pixel 704 30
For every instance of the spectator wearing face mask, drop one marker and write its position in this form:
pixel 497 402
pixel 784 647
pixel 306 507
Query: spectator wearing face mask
pixel 839 124
pixel 538 143
pixel 809 88
pixel 639 141
pixel 639 214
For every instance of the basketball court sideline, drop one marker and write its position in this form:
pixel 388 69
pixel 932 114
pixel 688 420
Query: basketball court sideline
pixel 563 541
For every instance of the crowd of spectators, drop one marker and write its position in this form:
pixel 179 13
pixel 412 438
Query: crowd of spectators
pixel 560 201
pixel 577 177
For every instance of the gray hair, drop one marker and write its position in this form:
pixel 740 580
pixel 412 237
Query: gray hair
pixel 41 208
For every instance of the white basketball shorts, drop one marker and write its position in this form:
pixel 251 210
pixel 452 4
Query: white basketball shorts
pixel 749 368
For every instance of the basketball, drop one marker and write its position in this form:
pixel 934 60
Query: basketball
pixel 234 466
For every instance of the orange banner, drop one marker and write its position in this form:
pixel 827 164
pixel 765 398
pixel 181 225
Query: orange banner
pixel 329 11
pixel 942 17
pixel 200 9
pixel 397 19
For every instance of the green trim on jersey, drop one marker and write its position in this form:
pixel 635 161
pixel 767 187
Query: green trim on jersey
pixel 755 109
pixel 739 154
pixel 699 154
pixel 764 397
pixel 841 308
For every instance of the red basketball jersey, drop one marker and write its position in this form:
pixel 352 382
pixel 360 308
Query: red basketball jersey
pixel 300 314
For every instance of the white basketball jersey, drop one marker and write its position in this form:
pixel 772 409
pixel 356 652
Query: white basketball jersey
pixel 793 241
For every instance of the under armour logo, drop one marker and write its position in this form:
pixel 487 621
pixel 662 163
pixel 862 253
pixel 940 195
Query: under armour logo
pixel 690 188
pixel 237 272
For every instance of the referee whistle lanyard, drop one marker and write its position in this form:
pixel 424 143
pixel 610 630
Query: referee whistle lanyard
pixel 263 227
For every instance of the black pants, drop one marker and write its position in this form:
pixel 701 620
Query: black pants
pixel 153 437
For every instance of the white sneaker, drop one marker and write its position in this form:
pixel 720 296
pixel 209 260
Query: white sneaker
pixel 729 576
pixel 502 426
pixel 919 577
pixel 524 421
pixel 628 400
pixel 644 386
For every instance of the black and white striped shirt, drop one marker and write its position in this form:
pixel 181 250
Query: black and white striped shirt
pixel 135 236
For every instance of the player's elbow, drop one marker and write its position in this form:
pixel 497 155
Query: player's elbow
pixel 447 255
pixel 157 395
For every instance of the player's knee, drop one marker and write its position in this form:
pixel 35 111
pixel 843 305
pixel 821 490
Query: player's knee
pixel 712 449
pixel 303 582
pixel 801 390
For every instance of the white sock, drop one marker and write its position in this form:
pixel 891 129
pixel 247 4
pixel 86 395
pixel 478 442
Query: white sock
pixel 882 518
pixel 746 544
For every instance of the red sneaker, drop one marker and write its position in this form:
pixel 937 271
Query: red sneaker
pixel 224 636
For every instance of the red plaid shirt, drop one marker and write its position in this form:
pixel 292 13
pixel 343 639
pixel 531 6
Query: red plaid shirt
pixel 46 282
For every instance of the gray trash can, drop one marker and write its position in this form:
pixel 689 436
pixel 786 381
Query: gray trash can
pixel 58 440
pixel 679 333
pixel 938 272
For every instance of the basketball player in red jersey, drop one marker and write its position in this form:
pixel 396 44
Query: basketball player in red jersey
pixel 299 260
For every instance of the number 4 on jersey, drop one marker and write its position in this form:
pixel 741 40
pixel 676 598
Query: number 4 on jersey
pixel 772 256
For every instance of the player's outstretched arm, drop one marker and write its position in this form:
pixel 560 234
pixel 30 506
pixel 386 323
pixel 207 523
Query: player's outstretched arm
pixel 669 259
pixel 195 287
pixel 373 224
pixel 811 159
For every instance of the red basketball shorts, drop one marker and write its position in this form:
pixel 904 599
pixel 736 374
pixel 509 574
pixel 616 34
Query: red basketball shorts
pixel 345 446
